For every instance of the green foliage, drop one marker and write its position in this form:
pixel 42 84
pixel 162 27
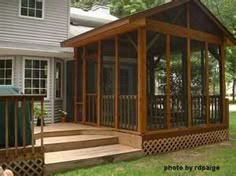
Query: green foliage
pixel 37 112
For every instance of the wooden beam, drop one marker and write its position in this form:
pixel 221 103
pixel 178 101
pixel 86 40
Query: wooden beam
pixel 222 83
pixel 168 75
pixel 99 65
pixel 76 84
pixel 142 80
pixel 84 86
pixel 207 97
pixel 117 82
pixel 189 88
pixel 179 31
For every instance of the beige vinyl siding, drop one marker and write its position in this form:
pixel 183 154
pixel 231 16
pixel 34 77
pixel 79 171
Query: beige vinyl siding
pixel 50 30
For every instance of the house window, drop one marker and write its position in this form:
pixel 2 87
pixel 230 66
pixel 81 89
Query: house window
pixel 5 71
pixel 36 77
pixel 58 80
pixel 31 8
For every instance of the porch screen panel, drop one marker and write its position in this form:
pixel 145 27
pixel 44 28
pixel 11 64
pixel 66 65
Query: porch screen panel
pixel 178 85
pixel 156 56
pixel 198 82
pixel 214 83
pixel 108 82
pixel 128 81
pixel 91 83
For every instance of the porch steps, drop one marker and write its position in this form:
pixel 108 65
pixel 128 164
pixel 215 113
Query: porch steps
pixel 63 143
pixel 62 161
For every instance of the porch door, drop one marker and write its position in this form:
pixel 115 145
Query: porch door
pixel 91 90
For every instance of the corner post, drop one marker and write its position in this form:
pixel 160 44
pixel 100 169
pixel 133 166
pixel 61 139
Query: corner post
pixel 142 80
pixel 117 82
pixel 222 82
pixel 168 75
pixel 84 86
pixel 99 84
pixel 76 84
pixel 207 97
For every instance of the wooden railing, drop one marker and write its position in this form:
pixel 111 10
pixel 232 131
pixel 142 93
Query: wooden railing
pixel 128 112
pixel 215 109
pixel 91 108
pixel 17 120
pixel 107 114
pixel 156 112
pixel 198 110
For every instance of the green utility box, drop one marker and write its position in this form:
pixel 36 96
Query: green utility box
pixel 11 90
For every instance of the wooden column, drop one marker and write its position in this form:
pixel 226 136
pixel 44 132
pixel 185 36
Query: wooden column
pixel 99 84
pixel 168 74
pixel 188 88
pixel 188 69
pixel 117 81
pixel 42 120
pixel 222 83
pixel 76 84
pixel 207 97
pixel 142 80
pixel 7 127
pixel 84 86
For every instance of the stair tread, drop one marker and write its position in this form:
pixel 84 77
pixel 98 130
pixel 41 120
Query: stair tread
pixel 87 153
pixel 74 138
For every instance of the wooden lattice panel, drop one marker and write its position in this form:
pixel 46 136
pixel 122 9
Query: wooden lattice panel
pixel 25 167
pixel 151 147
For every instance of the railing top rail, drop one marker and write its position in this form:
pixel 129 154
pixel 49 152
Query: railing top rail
pixel 35 97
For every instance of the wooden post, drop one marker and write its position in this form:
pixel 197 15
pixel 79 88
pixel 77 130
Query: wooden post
pixel 32 125
pixel 207 97
pixel 117 81
pixel 142 80
pixel 168 74
pixel 16 125
pixel 6 127
pixel 84 86
pixel 189 94
pixel 24 125
pixel 99 84
pixel 76 84
pixel 222 83
pixel 42 120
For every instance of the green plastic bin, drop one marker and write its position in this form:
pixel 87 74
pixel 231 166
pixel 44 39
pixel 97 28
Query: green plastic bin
pixel 11 90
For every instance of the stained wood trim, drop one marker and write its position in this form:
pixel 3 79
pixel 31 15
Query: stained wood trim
pixel 189 96
pixel 84 86
pixel 180 132
pixel 16 125
pixel 32 126
pixel 24 124
pixel 76 83
pixel 117 82
pixel 207 84
pixel 99 84
pixel 175 30
pixel 168 75
pixel 222 82
pixel 142 80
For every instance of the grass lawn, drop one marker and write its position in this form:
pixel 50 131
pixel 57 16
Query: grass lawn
pixel 222 155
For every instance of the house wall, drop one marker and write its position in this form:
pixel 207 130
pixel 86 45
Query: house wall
pixel 18 81
pixel 50 30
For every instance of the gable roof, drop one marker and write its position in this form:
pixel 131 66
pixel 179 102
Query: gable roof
pixel 136 20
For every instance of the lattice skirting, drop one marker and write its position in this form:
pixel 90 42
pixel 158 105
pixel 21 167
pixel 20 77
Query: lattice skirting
pixel 151 147
pixel 33 167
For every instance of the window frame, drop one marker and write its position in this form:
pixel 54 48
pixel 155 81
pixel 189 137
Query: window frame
pixel 62 75
pixel 48 72
pixel 31 17
pixel 12 67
